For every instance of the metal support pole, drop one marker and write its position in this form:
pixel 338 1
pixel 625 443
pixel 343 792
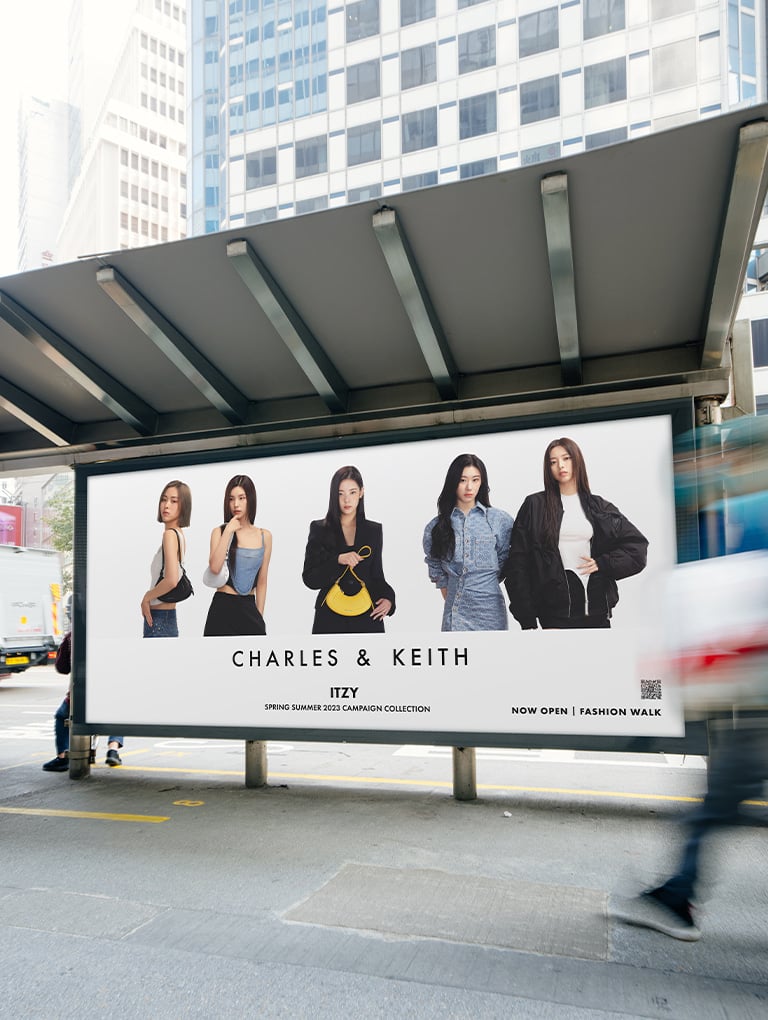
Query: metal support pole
pixel 255 763
pixel 464 773
pixel 80 756
pixel 708 415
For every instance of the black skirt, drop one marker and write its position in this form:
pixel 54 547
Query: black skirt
pixel 233 616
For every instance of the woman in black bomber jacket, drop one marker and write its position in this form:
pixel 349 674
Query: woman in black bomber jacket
pixel 336 542
pixel 568 549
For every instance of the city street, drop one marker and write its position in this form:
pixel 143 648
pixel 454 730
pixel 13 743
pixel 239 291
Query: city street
pixel 355 885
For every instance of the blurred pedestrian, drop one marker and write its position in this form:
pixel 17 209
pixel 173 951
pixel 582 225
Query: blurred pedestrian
pixel 738 763
pixel 60 763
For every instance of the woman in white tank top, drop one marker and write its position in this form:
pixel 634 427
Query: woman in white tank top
pixel 568 549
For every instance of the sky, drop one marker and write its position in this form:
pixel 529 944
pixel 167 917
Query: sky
pixel 33 61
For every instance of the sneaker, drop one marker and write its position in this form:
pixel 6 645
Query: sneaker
pixel 650 911
pixel 57 765
pixel 113 758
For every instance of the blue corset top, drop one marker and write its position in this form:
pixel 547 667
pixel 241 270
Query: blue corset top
pixel 247 565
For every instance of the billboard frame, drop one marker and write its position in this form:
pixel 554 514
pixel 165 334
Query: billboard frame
pixel 681 414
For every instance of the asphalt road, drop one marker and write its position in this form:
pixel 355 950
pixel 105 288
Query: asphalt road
pixel 355 885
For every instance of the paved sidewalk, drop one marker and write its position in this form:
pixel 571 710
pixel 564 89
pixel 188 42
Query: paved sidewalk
pixel 178 895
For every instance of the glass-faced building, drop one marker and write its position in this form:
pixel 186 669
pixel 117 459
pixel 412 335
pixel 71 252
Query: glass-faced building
pixel 298 105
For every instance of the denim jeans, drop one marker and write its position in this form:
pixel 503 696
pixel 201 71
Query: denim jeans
pixel 61 729
pixel 163 623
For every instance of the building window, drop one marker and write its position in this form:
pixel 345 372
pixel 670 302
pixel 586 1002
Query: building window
pixel 602 17
pixel 362 19
pixel 540 154
pixel 419 129
pixel 674 65
pixel 412 11
pixel 470 3
pixel 363 143
pixel 312 156
pixel 605 83
pixel 477 49
pixel 363 81
pixel 538 32
pixel 260 169
pixel 477 115
pixel 418 66
pixel 261 216
pixel 760 342
pixel 308 205
pixel 540 99
pixel 363 194
pixel 416 181
pixel 477 168
pixel 600 138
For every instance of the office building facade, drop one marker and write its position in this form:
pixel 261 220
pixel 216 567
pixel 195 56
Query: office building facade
pixel 127 132
pixel 297 105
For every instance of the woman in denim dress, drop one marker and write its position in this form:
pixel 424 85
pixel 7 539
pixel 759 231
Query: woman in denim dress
pixel 465 548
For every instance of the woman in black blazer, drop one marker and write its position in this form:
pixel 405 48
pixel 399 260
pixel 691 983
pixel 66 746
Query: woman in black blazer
pixel 343 539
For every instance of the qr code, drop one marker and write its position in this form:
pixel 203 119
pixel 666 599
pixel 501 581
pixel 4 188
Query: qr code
pixel 650 689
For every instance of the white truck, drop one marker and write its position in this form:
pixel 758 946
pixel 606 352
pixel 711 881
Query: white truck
pixel 31 607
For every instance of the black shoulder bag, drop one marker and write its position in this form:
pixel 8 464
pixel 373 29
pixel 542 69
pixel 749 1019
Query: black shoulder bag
pixel 183 588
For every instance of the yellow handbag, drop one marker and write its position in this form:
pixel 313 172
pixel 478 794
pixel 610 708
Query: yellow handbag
pixel 350 605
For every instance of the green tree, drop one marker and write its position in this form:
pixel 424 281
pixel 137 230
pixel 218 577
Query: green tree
pixel 60 518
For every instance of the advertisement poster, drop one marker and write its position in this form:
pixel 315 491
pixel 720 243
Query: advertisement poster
pixel 412 676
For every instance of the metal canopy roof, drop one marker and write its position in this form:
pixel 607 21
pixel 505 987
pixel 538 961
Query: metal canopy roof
pixel 609 276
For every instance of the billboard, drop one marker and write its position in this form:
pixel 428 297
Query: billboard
pixel 436 667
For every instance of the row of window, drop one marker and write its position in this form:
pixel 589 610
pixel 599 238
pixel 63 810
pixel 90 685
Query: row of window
pixel 539 100
pixel 151 167
pixel 162 79
pixel 477 116
pixel 162 50
pixel 172 10
pixel 144 133
pixel 600 17
pixel 418 66
pixel 143 227
pixel 164 109
pixel 144 196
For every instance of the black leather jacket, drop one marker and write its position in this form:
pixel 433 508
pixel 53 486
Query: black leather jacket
pixel 534 576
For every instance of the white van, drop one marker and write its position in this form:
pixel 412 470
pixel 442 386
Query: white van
pixel 31 609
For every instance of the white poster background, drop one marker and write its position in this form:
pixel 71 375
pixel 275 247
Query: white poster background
pixel 478 683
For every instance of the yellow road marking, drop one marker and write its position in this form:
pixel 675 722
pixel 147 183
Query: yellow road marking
pixel 101 815
pixel 443 784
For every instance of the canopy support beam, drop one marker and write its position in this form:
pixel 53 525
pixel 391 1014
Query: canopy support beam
pixel 204 376
pixel 80 369
pixel 745 206
pixel 417 303
pixel 289 326
pixel 557 223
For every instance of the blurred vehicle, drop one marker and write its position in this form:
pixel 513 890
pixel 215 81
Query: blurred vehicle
pixel 31 611
pixel 717 607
